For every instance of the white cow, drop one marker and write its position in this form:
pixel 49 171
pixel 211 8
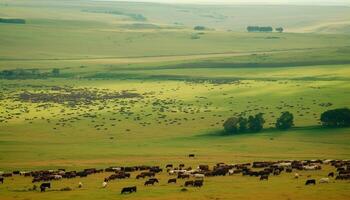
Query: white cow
pixel 296 175
pixel 199 176
pixel 311 167
pixel 324 180
pixel 284 164
pixel 104 184
pixel 231 171
pixel 57 177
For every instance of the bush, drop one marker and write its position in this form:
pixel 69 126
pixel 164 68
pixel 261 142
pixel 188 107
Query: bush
pixel 285 121
pixel 336 118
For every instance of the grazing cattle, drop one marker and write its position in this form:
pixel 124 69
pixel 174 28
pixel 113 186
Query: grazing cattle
pixel 2 180
pixel 331 174
pixel 80 185
pixel 140 176
pixel 198 183
pixel 169 166
pixel 220 172
pixel 231 172
pixel 128 190
pixel 172 180
pixel 276 172
pixel 312 167
pixel 183 176
pixel 310 182
pixel 154 179
pixel 199 176
pixel 296 175
pixel 149 182
pixel 7 175
pixel 191 155
pixel 189 183
pixel 148 174
pixel 203 167
pixel 343 177
pixel 264 177
pixel 36 179
pixel 289 170
pixel 324 180
pixel 57 177
pixel 181 165
pixel 43 186
pixel 104 184
pixel 155 169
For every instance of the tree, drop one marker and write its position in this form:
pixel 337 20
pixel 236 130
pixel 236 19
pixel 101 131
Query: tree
pixel 285 121
pixel 243 123
pixel 199 28
pixel 279 29
pixel 256 123
pixel 231 125
pixel 336 118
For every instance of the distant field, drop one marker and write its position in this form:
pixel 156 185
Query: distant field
pixel 138 86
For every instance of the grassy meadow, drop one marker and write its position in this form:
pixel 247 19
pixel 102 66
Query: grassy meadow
pixel 138 86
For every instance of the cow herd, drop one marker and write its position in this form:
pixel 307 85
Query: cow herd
pixel 191 177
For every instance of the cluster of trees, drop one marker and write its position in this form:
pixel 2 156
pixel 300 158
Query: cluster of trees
pixel 254 124
pixel 28 73
pixel 263 29
pixel 331 118
pixel 241 125
pixel 336 118
pixel 12 21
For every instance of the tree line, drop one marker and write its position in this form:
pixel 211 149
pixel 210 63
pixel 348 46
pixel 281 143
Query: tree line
pixel 255 123
pixel 12 21
pixel 28 73
pixel 264 29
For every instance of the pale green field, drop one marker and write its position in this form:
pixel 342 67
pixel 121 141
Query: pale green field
pixel 188 87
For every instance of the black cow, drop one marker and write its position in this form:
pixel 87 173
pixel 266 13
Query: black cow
pixel 7 175
pixel 191 155
pixel 198 183
pixel 264 177
pixel 183 176
pixel 310 181
pixel 128 190
pixel 1 180
pixel 43 186
pixel 331 174
pixel 172 180
pixel 150 182
pixel 189 183
pixel 154 180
